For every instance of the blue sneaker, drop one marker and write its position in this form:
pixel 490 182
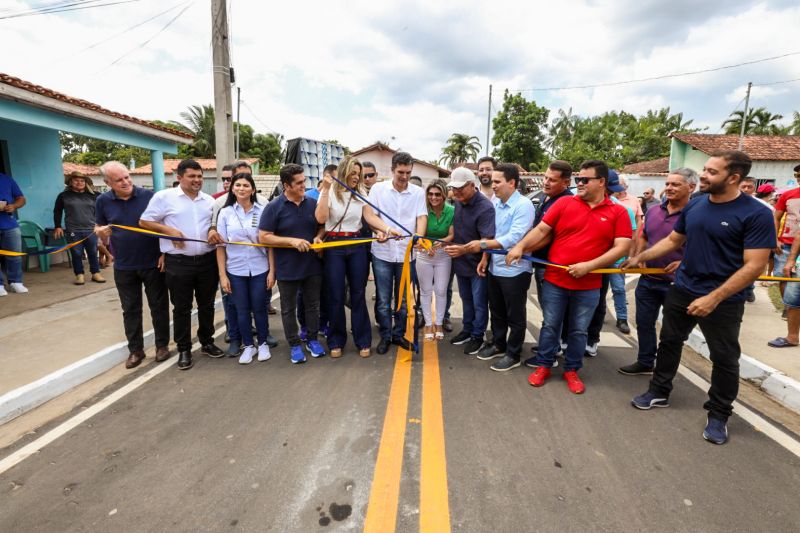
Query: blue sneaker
pixel 297 354
pixel 315 349
pixel 325 330
pixel 303 334
pixel 647 400
pixel 716 431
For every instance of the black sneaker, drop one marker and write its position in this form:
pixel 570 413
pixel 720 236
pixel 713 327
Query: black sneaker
pixel 635 369
pixel 383 346
pixel 401 342
pixel 212 350
pixel 461 338
pixel 531 362
pixel 489 351
pixel 473 346
pixel 623 326
pixel 504 364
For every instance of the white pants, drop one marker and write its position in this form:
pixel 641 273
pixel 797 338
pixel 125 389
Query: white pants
pixel 433 275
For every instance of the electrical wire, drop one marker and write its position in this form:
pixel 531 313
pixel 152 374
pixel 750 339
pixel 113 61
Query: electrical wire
pixel 662 77
pixel 258 119
pixel 73 7
pixel 762 84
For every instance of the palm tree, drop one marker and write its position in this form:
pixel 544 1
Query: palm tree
pixel 759 122
pixel 561 130
pixel 794 127
pixel 460 148
pixel 199 120
pixel 766 123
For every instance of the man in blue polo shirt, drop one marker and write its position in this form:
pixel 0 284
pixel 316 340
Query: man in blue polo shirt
pixel 728 237
pixel 11 199
pixel 289 220
pixel 138 261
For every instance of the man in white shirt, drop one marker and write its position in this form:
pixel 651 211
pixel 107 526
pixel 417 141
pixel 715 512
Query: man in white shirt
pixel 486 167
pixel 191 267
pixel 404 203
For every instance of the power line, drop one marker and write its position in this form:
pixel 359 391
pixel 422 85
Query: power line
pixel 258 119
pixel 145 43
pixel 76 6
pixel 662 77
pixel 46 6
pixel 775 82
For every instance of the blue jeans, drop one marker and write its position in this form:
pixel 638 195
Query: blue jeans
pixel 387 284
pixel 90 245
pixel 249 297
pixel 617 282
pixel 231 318
pixel 347 263
pixel 475 301
pixel 11 239
pixel 650 295
pixel 555 301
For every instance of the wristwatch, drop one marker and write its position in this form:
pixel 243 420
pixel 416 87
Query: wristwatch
pixel 484 244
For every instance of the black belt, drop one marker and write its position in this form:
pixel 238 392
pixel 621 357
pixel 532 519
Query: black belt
pixel 180 259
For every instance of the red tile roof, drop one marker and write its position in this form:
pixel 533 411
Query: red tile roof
pixel 171 164
pixel 89 170
pixel 658 166
pixel 758 147
pixel 379 146
pixel 43 91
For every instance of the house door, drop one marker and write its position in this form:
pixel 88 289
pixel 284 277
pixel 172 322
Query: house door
pixel 5 167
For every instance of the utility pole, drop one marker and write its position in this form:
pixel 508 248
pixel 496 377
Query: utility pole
pixel 238 118
pixel 744 115
pixel 221 67
pixel 488 120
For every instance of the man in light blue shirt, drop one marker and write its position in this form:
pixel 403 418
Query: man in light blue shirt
pixel 507 284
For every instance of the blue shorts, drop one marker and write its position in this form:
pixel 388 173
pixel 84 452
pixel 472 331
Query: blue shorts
pixel 791 295
pixel 780 260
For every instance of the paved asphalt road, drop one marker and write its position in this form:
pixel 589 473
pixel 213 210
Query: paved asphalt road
pixel 280 447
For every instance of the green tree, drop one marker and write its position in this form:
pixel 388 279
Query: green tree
pixel 794 127
pixel 199 121
pixel 759 122
pixel 519 132
pixel 461 148
pixel 90 151
pixel 347 150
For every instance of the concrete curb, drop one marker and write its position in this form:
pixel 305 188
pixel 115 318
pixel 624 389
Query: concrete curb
pixel 22 399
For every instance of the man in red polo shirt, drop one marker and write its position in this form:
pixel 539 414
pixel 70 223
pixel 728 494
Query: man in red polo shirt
pixel 588 231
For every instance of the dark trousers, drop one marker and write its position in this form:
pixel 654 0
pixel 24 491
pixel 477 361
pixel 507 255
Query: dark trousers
pixel 249 297
pixel 449 294
pixel 192 278
pixel 129 287
pixel 323 309
pixel 90 245
pixel 721 330
pixel 650 296
pixel 507 299
pixel 310 287
pixel 347 264
pixel 391 323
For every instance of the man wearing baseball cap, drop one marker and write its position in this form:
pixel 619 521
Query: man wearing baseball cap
pixel 473 222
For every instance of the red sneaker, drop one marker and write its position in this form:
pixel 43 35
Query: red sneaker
pixel 538 376
pixel 574 383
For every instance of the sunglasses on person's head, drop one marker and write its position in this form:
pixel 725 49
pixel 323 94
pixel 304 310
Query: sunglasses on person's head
pixel 582 180
pixel 370 175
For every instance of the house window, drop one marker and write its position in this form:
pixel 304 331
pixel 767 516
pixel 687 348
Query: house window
pixel 760 182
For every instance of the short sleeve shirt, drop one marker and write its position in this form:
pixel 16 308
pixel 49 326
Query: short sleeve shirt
pixel 9 191
pixel 789 202
pixel 717 234
pixel 545 203
pixel 658 224
pixel 472 221
pixel 132 251
pixel 582 233
pixel 404 207
pixel 236 225
pixel 285 218
pixel 439 227
pixel 192 217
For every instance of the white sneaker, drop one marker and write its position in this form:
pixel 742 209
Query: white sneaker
pixel 591 350
pixel 3 291
pixel 17 287
pixel 263 352
pixel 247 355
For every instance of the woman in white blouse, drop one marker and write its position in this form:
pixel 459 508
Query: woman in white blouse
pixel 341 212
pixel 244 271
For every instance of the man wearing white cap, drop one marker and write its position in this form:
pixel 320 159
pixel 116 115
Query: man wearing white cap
pixel 473 223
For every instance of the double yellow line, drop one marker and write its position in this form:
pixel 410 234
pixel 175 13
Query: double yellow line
pixel 434 508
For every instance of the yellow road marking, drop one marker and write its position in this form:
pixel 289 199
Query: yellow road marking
pixel 434 508
pixel 385 492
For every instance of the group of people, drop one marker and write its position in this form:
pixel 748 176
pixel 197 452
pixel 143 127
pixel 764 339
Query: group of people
pixel 479 230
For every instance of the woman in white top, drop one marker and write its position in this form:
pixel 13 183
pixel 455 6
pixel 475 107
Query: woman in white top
pixel 244 271
pixel 341 212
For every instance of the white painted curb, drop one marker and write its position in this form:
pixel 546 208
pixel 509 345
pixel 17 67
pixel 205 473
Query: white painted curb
pixel 22 399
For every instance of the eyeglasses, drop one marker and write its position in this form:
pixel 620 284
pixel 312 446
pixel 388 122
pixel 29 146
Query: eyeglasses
pixel 370 175
pixel 226 179
pixel 435 194
pixel 581 180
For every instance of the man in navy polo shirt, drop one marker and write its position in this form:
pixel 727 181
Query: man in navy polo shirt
pixel 11 199
pixel 289 220
pixel 138 261
pixel 651 290
pixel 727 237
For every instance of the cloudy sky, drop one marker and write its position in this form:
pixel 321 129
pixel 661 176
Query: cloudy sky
pixel 412 73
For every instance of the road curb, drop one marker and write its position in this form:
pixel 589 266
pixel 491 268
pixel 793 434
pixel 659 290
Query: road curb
pixel 772 381
pixel 22 399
